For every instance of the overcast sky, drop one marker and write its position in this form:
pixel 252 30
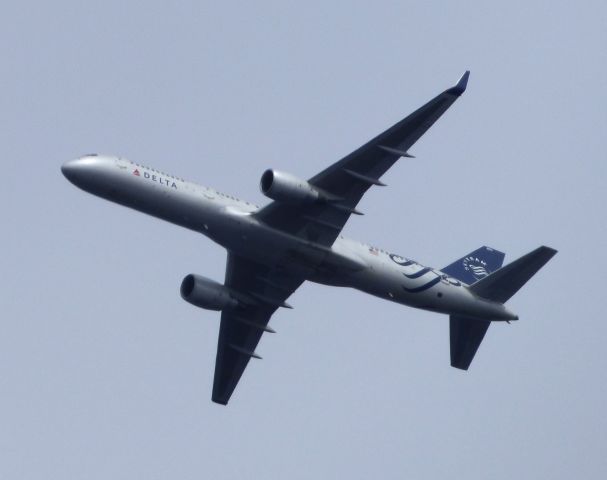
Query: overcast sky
pixel 105 372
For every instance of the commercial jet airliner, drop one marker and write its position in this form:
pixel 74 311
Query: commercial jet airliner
pixel 297 237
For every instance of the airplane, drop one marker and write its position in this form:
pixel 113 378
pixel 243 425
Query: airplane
pixel 272 250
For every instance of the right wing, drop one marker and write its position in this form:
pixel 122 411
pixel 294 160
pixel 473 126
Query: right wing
pixel 351 177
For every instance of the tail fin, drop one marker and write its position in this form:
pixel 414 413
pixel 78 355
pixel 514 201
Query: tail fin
pixel 476 265
pixel 466 334
pixel 505 282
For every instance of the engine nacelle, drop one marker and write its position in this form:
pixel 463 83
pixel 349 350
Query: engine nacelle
pixel 206 293
pixel 286 188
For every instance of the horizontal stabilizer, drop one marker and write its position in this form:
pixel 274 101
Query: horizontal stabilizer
pixel 505 282
pixel 466 334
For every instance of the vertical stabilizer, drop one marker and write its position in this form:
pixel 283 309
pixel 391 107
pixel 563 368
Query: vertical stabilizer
pixel 476 265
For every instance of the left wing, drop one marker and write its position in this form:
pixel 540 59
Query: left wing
pixel 349 178
pixel 263 289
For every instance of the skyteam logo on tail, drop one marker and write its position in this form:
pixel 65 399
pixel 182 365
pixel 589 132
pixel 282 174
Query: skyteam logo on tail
pixel 476 267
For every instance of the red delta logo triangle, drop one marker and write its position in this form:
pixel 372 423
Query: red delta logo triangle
pixel 136 172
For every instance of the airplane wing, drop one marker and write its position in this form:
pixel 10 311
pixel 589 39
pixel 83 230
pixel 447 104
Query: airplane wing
pixel 351 177
pixel 263 290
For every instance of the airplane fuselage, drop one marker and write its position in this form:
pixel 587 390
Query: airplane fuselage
pixel 231 223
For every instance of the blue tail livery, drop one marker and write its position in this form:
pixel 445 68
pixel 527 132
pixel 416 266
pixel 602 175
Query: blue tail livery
pixel 476 265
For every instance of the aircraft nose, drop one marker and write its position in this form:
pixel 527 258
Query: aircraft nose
pixel 76 170
pixel 70 169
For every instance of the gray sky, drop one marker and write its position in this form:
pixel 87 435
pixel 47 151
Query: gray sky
pixel 106 373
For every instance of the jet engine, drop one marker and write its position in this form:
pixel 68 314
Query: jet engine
pixel 205 293
pixel 286 188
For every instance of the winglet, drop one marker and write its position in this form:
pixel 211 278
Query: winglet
pixel 461 85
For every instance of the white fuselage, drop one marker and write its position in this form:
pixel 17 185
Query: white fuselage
pixel 231 223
